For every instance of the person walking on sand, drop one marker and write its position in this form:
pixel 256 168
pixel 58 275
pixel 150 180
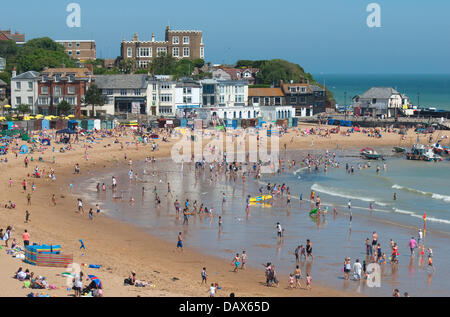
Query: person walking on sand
pixel 80 206
pixel 29 199
pixel 26 238
pixel 204 276
pixel 91 214
pixel 27 216
pixel 279 230
pixel 298 276
pixel 237 262
pixel 308 282
pixel 54 200
pixel 244 260
pixel 180 242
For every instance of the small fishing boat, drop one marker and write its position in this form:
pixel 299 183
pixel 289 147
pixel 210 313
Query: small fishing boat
pixel 370 154
pixel 398 149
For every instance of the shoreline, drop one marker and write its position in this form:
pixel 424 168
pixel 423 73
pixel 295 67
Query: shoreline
pixel 124 246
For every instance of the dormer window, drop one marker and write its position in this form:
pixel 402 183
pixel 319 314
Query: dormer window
pixel 70 78
pixel 57 78
pixel 44 78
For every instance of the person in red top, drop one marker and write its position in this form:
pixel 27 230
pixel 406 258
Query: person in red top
pixel 26 238
pixel 24 184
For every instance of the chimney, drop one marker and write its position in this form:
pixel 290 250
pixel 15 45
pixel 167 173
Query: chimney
pixel 135 37
pixel 14 73
pixel 153 37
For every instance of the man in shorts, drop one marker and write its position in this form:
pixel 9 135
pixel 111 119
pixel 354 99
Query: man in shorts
pixel 180 242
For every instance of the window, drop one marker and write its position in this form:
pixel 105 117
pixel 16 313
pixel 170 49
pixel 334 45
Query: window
pixel 302 99
pixel 166 97
pixel 175 40
pixel 43 100
pixel 187 99
pixel 30 101
pixel 44 90
pixel 71 100
pixel 277 100
pixel 255 99
pixel 56 100
pixel 70 53
pixel 374 100
pixel 267 101
pixel 57 78
pixel 187 90
pixel 221 99
pixel 71 78
pixel 110 92
pixel 186 51
pixel 123 92
pixel 175 52
pixel 145 52
pixel 213 100
pixel 202 52
pixel 222 89
pixel 154 86
pixel 238 98
pixel 78 52
pixel 161 50
pixel 185 39
pixel 137 92
pixel 78 44
pixel 143 64
pixel 57 91
pixel 30 85
pixel 18 85
pixel 165 86
pixel 154 97
pixel 71 90
pixel 18 100
pixel 44 78
pixel 293 99
pixel 165 109
pixel 292 89
pixel 129 52
pixel 69 44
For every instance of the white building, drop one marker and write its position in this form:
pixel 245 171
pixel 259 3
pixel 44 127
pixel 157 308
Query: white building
pixel 24 90
pixel 188 97
pixel 273 113
pixel 161 96
pixel 123 94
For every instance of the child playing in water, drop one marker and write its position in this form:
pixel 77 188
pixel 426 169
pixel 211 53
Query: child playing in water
pixel 308 281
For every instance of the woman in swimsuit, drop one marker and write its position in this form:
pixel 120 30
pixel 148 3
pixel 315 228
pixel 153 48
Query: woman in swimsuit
pixel 298 276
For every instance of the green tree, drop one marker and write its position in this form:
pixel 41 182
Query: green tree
pixel 8 49
pixel 22 109
pixel 127 66
pixel 6 77
pixel 39 53
pixel 64 107
pixel 94 97
pixel 163 65
pixel 199 62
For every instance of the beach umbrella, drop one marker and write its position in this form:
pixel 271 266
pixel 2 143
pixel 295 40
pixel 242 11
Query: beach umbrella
pixel 96 280
pixel 7 106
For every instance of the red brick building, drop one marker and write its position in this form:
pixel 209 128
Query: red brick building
pixel 58 84
pixel 16 37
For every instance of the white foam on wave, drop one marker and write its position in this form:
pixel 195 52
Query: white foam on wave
pixel 337 193
pixel 432 195
pixel 406 212
pixel 432 219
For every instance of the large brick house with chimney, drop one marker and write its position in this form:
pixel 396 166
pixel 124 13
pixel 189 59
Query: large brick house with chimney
pixel 307 99
pixel 178 43
pixel 58 84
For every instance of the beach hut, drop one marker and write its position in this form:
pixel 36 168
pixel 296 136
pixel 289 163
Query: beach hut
pixel 295 122
pixel 97 124
pixel 45 125
pixel 183 123
pixel 47 255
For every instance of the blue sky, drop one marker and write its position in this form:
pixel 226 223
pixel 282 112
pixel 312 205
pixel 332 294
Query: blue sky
pixel 323 36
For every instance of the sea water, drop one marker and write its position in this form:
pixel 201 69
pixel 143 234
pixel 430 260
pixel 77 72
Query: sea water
pixel 420 187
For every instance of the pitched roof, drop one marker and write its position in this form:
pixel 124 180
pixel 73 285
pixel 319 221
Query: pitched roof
pixel 79 72
pixel 286 87
pixel 379 92
pixel 265 92
pixel 2 83
pixel 27 75
pixel 132 81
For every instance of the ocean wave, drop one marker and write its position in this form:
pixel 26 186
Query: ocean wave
pixel 432 219
pixel 417 191
pixel 406 212
pixel 339 193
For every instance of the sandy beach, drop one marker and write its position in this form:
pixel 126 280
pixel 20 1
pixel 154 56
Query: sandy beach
pixel 119 247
